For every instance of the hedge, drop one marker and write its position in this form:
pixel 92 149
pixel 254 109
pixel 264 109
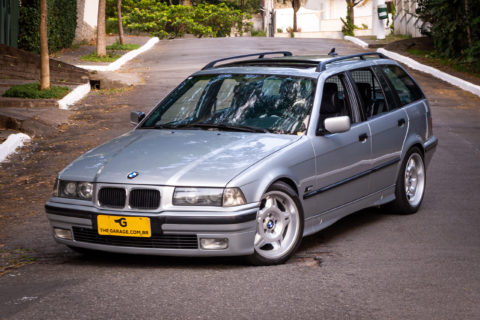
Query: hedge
pixel 62 21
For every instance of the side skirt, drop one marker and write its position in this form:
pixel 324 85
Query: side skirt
pixel 325 219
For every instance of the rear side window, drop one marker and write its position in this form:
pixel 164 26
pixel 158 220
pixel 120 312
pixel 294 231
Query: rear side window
pixel 370 93
pixel 405 87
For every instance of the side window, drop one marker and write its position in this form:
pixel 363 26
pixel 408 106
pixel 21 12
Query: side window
pixel 370 92
pixel 405 87
pixel 335 101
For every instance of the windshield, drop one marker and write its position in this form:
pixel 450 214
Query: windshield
pixel 258 103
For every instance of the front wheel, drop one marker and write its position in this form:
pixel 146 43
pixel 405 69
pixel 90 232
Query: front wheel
pixel 410 186
pixel 279 226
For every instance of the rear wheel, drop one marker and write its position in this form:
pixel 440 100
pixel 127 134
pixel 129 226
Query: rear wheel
pixel 279 226
pixel 410 186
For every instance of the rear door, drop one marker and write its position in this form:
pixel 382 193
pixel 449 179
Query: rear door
pixel 388 124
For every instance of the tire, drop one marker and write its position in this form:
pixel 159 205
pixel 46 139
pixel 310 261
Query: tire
pixel 411 182
pixel 279 226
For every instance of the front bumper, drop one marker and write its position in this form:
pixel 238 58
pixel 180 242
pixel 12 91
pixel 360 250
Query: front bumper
pixel 174 233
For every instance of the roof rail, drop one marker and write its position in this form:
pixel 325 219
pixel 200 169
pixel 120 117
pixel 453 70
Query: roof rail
pixel 260 55
pixel 322 66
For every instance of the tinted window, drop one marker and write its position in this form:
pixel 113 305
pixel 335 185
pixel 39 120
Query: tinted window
pixel 370 92
pixel 405 87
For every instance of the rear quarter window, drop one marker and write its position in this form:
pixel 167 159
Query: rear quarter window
pixel 404 86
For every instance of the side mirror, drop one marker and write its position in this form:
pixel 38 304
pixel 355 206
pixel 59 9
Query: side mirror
pixel 136 117
pixel 337 124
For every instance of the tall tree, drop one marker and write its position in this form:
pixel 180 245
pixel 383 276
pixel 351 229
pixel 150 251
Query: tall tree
pixel 120 25
pixel 101 37
pixel 296 7
pixel 44 59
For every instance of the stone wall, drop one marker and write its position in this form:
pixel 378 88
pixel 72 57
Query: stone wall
pixel 20 64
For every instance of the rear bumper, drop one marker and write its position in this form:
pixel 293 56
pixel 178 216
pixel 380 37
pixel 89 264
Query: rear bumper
pixel 173 233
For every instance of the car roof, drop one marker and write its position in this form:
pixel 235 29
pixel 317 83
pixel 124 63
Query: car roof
pixel 287 64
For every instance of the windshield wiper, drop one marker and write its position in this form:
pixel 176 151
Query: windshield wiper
pixel 228 127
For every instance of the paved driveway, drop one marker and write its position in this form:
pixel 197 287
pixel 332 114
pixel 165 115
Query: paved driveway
pixel 370 265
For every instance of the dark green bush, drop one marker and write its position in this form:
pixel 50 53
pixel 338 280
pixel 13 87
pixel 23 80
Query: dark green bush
pixel 62 21
pixel 454 28
pixel 203 20
pixel 32 91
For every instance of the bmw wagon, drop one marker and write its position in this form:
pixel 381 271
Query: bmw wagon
pixel 249 155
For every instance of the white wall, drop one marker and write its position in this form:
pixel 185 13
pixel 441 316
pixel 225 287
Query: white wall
pixel 406 21
pixel 323 15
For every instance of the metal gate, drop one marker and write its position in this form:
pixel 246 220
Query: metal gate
pixel 9 10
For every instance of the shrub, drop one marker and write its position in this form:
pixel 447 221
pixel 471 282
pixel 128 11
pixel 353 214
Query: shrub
pixel 258 33
pixel 454 28
pixel 279 30
pixel 62 21
pixel 32 91
pixel 164 21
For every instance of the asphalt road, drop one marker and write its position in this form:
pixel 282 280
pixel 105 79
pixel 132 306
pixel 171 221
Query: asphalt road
pixel 370 265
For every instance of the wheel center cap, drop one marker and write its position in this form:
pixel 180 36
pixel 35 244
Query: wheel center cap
pixel 270 224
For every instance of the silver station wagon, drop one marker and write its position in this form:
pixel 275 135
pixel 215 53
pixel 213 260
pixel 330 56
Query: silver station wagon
pixel 249 155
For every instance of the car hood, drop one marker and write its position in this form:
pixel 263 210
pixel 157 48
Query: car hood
pixel 176 158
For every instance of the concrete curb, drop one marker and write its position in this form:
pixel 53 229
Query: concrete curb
pixel 74 96
pixel 462 84
pixel 357 41
pixel 123 59
pixel 13 142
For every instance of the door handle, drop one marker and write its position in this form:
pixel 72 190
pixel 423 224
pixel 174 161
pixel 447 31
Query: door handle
pixel 363 137
pixel 401 122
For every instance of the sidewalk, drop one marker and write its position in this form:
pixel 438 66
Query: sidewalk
pixel 42 117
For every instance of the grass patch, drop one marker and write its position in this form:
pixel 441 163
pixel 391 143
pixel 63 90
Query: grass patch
pixel 460 66
pixel 124 47
pixel 258 33
pixel 92 57
pixel 32 91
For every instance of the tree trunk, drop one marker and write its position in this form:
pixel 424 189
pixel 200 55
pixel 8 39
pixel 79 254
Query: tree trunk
pixel 296 7
pixel 120 25
pixel 44 59
pixel 467 17
pixel 350 10
pixel 101 38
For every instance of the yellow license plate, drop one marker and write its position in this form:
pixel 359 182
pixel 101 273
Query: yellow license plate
pixel 124 226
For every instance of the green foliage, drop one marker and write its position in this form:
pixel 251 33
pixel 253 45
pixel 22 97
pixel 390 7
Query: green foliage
pixel 259 33
pixel 455 29
pixel 165 21
pixel 124 47
pixel 32 91
pixel 279 30
pixel 348 27
pixel 62 21
pixel 94 58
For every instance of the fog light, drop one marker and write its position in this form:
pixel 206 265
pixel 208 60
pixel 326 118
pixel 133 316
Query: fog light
pixel 214 243
pixel 63 233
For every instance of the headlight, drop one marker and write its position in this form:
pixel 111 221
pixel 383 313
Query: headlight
pixel 75 190
pixel 197 197
pixel 229 197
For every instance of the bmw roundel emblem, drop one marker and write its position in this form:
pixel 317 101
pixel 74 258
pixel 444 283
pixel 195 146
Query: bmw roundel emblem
pixel 132 175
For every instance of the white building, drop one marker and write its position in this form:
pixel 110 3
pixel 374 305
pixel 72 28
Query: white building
pixel 321 18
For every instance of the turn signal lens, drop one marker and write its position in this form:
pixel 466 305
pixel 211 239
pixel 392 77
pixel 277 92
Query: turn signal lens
pixel 233 197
